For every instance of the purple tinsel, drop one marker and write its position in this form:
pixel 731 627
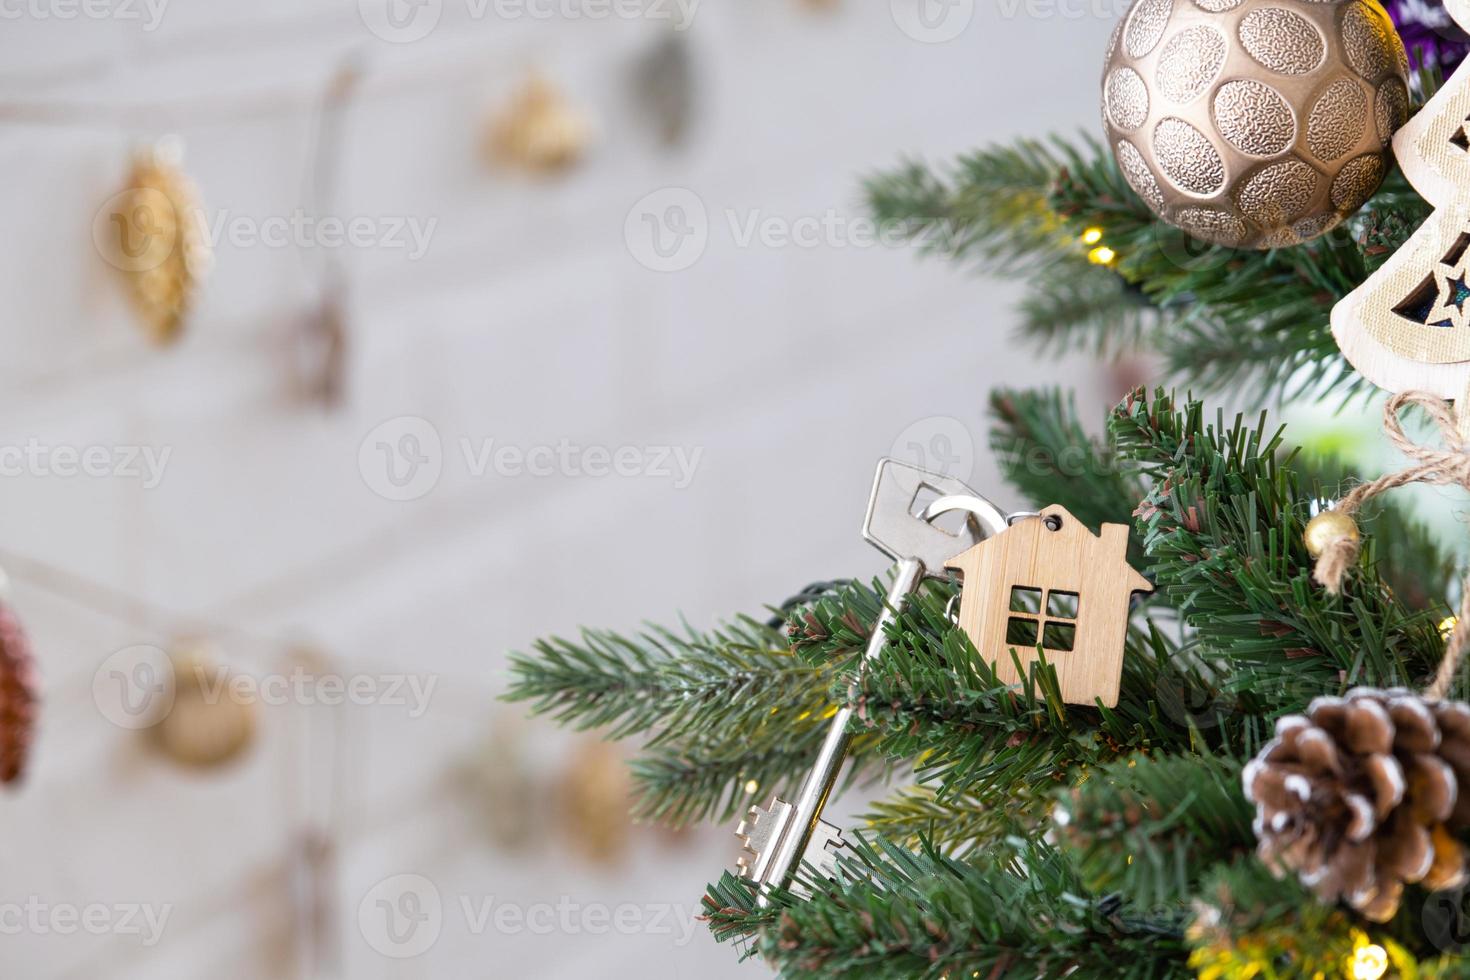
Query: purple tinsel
pixel 1429 33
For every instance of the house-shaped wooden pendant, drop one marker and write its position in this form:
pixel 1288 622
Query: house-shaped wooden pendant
pixel 1049 582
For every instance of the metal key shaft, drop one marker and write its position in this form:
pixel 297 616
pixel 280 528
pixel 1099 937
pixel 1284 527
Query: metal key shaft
pixel 777 839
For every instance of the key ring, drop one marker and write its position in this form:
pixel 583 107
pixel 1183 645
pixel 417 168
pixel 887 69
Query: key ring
pixel 986 514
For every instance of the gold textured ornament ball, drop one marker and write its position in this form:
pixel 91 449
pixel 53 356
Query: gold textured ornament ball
pixel 209 724
pixel 1326 529
pixel 1254 123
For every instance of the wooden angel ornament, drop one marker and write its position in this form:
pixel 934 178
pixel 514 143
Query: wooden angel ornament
pixel 1049 583
pixel 1405 328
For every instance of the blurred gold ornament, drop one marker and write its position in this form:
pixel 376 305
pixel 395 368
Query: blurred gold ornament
pixel 154 233
pixel 208 724
pixel 596 797
pixel 1253 124
pixel 540 132
pixel 1328 528
pixel 503 785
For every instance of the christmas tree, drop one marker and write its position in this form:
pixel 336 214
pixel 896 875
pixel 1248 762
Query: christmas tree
pixel 1270 795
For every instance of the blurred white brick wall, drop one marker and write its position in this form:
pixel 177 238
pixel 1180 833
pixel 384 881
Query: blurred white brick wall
pixel 528 322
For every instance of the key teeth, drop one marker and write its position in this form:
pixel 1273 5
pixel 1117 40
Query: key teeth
pixel 821 853
pixel 755 834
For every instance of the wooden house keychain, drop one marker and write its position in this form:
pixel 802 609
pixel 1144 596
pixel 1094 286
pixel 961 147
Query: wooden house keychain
pixel 1049 583
pixel 1031 581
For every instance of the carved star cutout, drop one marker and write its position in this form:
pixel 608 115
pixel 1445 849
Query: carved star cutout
pixel 1449 309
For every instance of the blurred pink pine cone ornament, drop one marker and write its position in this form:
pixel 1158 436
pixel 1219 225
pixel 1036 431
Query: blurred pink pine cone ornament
pixel 1361 796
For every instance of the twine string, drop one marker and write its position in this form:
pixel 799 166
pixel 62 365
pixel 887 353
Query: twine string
pixel 1435 466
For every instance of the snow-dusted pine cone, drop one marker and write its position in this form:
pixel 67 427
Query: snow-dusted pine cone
pixel 1360 797
pixel 19 696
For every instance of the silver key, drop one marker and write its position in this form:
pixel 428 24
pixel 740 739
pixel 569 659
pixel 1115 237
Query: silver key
pixel 902 511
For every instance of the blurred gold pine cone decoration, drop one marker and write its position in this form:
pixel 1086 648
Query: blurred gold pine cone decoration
pixel 153 232
pixel 1366 794
pixel 1250 123
pixel 540 132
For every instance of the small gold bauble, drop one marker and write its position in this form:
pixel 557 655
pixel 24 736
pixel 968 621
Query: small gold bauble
pixel 1328 528
pixel 595 800
pixel 208 724
pixel 1254 123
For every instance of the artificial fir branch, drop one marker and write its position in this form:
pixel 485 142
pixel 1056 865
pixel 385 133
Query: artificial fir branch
pixel 1046 455
pixel 931 696
pixel 991 211
pixel 1223 318
pixel 671 686
pixel 955 824
pixel 680 787
pixel 1147 826
pixel 832 632
pixel 1244 916
pixel 1222 529
pixel 1106 315
pixel 1016 910
pixel 719 712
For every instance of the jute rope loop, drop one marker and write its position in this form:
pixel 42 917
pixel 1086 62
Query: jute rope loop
pixel 1447 466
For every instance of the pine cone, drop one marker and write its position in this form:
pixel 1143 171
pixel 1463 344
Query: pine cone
pixel 19 697
pixel 159 241
pixel 1360 797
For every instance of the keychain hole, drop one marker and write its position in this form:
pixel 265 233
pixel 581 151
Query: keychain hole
pixel 1052 522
